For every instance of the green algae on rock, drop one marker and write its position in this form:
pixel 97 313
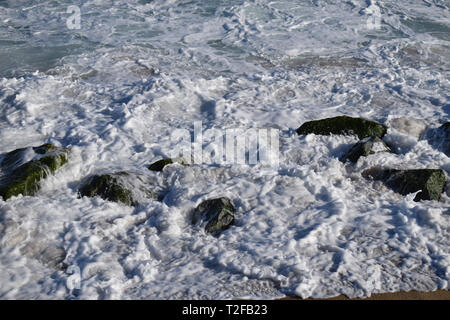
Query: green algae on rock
pixel 365 147
pixel 123 187
pixel 14 157
pixel 160 164
pixel 25 178
pixel 430 182
pixel 344 125
pixel 107 187
pixel 217 213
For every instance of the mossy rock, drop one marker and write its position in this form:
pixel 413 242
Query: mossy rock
pixel 14 157
pixel 431 182
pixel 45 148
pixel 25 178
pixel 107 187
pixel 218 214
pixel 160 164
pixel 344 125
pixel 365 147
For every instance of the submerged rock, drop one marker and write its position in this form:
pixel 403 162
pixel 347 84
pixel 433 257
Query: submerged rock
pixel 344 125
pixel 24 178
pixel 121 187
pixel 53 257
pixel 409 126
pixel 365 147
pixel 107 187
pixel 217 214
pixel 160 164
pixel 430 182
pixel 49 254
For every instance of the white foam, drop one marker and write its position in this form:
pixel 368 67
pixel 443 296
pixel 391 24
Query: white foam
pixel 137 71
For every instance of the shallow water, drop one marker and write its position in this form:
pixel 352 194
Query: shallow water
pixel 114 91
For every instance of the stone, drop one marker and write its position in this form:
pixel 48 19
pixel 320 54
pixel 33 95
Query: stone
pixel 217 214
pixel 160 164
pixel 365 147
pixel 15 157
pixel 409 126
pixel 25 178
pixel 53 256
pixel 344 125
pixel 430 182
pixel 122 187
pixel 107 187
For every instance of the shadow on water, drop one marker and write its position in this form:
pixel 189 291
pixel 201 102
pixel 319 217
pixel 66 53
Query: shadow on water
pixel 208 109
pixel 439 138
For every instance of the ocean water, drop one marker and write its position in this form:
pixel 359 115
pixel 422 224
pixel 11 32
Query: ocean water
pixel 115 87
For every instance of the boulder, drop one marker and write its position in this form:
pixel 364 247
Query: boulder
pixel 430 182
pixel 216 214
pixel 344 125
pixel 25 178
pixel 160 164
pixel 364 147
pixel 107 187
pixel 122 187
pixel 14 158
pixel 53 257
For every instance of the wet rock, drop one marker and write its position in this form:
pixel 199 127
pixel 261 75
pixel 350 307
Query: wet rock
pixel 49 254
pixel 53 256
pixel 430 182
pixel 14 158
pixel 344 125
pixel 216 214
pixel 160 164
pixel 121 187
pixel 25 178
pixel 365 147
pixel 107 187
pixel 409 126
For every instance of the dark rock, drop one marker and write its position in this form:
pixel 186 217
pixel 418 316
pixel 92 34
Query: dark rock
pixel 217 214
pixel 15 157
pixel 364 147
pixel 107 187
pixel 123 187
pixel 431 182
pixel 344 125
pixel 24 178
pixel 44 148
pixel 160 164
